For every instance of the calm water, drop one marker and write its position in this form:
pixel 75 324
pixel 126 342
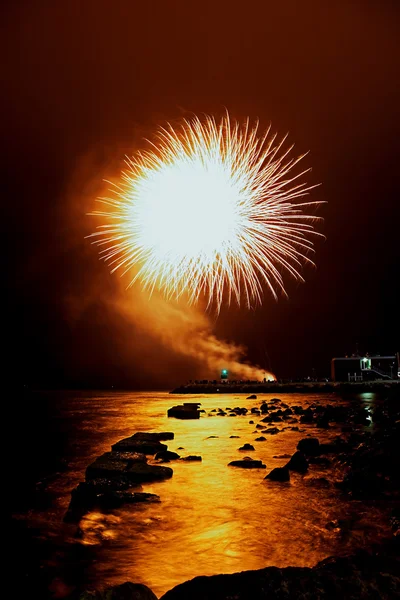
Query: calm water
pixel 211 518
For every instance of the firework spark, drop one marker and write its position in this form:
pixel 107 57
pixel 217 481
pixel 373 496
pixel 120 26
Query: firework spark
pixel 211 208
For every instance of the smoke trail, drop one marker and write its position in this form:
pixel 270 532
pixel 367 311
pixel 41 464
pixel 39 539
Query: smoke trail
pixel 187 331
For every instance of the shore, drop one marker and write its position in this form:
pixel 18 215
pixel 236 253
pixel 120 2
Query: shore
pixel 319 387
pixel 371 461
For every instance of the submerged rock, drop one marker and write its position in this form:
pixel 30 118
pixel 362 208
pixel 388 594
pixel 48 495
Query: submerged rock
pixel 261 439
pixel 252 397
pixel 279 474
pixel 247 463
pixel 192 458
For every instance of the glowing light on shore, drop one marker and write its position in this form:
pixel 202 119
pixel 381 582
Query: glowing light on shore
pixel 211 208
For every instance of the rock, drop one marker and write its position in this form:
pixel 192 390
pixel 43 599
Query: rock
pixel 298 462
pixel 362 576
pixel 252 397
pixel 246 447
pixel 271 430
pixel 124 591
pixel 192 458
pixel 212 437
pixel 154 437
pixel 139 445
pixel 167 455
pixel 282 456
pixel 113 465
pixel 232 414
pixel 264 408
pixel 294 428
pixel 187 410
pixel 279 474
pixel 234 436
pixel 247 463
pixel 307 416
pixel 255 411
pixel 260 439
pixel 258 426
pixel 309 446
pixel 132 470
pixel 181 448
pixel 251 422
pixel 322 423
pixel 102 494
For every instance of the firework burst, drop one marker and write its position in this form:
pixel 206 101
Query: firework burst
pixel 211 208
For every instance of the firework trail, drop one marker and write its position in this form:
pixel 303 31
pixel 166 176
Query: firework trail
pixel 211 208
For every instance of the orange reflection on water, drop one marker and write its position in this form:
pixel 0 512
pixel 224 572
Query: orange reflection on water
pixel 212 518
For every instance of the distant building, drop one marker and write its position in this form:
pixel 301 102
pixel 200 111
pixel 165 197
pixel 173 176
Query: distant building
pixel 365 368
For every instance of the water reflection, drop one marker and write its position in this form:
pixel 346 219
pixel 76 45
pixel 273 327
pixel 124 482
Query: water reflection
pixel 212 518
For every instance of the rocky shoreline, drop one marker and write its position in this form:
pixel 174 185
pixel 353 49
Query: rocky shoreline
pixel 368 460
pixel 316 387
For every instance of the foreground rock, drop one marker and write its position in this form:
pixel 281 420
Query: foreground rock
pixel 187 410
pixel 279 474
pixel 247 463
pixel 125 591
pixel 100 494
pixel 127 466
pixel 362 576
pixel 141 443
pixel 298 462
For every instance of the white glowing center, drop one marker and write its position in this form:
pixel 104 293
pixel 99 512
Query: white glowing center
pixel 186 211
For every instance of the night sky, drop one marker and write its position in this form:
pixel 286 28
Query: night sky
pixel 85 82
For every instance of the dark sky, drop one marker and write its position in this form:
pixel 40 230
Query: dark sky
pixel 84 82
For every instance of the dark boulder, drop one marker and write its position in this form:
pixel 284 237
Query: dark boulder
pixel 281 456
pixel 307 416
pixel 187 410
pixel 264 408
pixel 167 455
pixel 260 439
pixel 362 576
pixel 246 447
pixel 153 436
pixel 132 467
pixel 271 430
pixel 234 436
pixel 309 446
pixel 113 465
pixel 279 474
pixel 137 444
pixel 298 462
pixel 247 463
pixel 124 591
pixel 103 494
pixel 192 458
pixel 252 397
